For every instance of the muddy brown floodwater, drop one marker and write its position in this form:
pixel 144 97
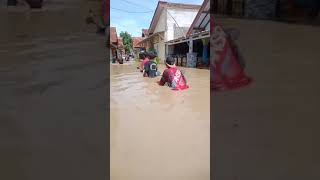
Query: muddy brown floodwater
pixel 157 133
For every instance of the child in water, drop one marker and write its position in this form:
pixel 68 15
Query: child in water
pixel 144 57
pixel 173 76
pixel 150 67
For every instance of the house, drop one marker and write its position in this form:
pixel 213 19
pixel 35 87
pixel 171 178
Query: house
pixel 116 44
pixel 136 44
pixel 196 41
pixel 121 50
pixel 113 42
pixel 170 21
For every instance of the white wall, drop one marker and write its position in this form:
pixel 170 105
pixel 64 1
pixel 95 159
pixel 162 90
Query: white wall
pixel 184 18
pixel 161 26
pixel 160 48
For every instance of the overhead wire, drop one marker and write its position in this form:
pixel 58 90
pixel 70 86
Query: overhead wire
pixel 133 12
pixel 138 5
pixel 129 2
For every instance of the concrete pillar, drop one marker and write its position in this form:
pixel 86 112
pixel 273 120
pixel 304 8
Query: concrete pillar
pixel 191 46
pixel 205 58
pixel 166 51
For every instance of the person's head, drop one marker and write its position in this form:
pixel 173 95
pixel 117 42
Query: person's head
pixel 151 55
pixel 170 62
pixel 142 55
pixel 147 55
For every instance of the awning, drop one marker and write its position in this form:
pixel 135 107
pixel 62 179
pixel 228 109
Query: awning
pixel 194 36
pixel 151 36
pixel 202 20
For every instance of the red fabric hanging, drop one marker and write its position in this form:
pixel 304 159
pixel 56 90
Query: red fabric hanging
pixel 226 72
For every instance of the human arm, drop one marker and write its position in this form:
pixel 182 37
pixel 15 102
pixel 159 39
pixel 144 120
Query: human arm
pixel 164 78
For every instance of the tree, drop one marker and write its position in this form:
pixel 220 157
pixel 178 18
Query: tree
pixel 127 41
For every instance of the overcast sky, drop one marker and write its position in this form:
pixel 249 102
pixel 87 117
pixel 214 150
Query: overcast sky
pixel 134 22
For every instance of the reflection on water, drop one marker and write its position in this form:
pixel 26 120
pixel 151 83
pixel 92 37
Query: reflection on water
pixel 157 133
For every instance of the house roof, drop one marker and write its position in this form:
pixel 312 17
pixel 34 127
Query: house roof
pixel 161 5
pixel 113 35
pixel 202 20
pixel 136 41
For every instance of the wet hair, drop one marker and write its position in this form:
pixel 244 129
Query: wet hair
pixel 150 55
pixel 170 60
pixel 142 55
pixel 147 55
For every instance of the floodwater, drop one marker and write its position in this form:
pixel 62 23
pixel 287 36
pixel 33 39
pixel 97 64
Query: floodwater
pixel 157 133
pixel 47 57
pixel 269 130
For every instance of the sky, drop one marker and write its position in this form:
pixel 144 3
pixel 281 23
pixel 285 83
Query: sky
pixel 134 15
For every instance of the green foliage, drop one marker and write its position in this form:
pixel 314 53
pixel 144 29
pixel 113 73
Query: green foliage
pixel 151 49
pixel 127 41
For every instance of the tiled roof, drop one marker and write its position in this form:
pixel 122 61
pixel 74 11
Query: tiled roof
pixel 136 41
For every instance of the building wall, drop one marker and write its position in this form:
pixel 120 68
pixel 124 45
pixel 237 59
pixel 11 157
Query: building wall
pixel 179 31
pixel 160 48
pixel 161 26
pixel 261 9
pixel 157 45
pixel 184 17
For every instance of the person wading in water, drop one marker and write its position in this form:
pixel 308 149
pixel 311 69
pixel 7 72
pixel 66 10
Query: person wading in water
pixel 173 77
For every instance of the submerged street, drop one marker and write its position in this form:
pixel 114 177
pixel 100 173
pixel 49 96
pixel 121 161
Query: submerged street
pixel 157 133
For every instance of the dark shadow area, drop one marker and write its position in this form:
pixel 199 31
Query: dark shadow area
pixel 54 90
pixel 268 130
pixel 289 11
